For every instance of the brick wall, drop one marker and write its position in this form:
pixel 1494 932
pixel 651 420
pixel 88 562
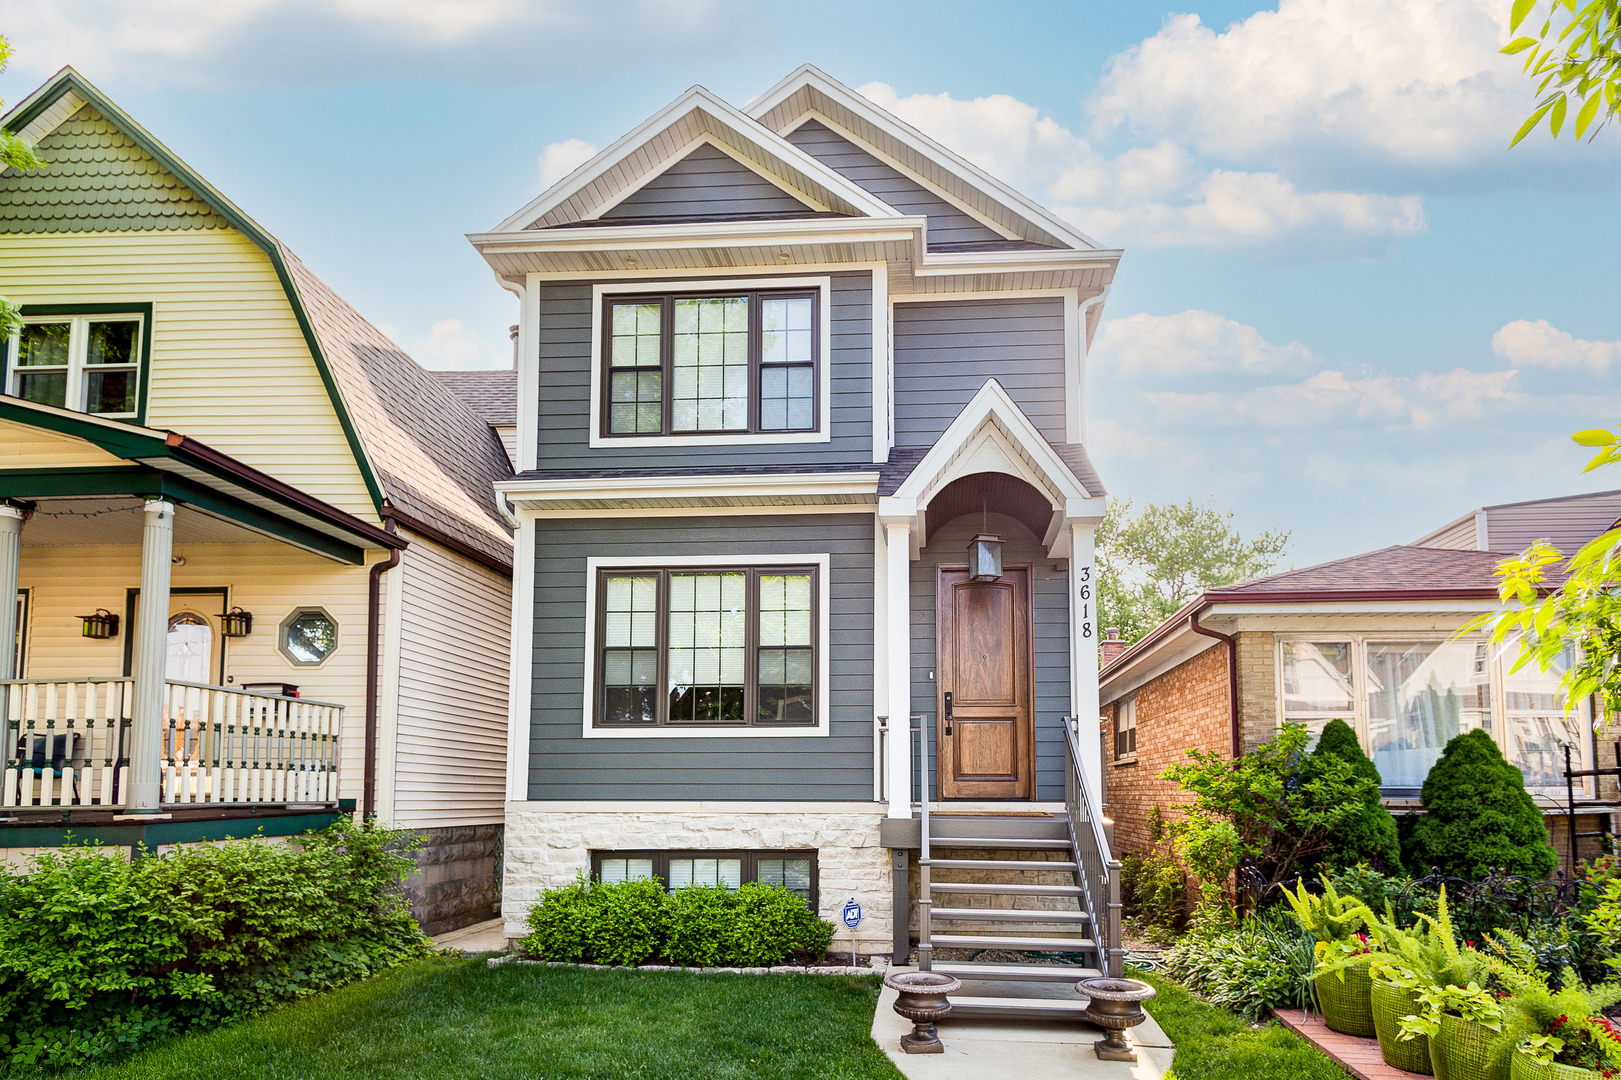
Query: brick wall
pixel 1185 707
pixel 1257 688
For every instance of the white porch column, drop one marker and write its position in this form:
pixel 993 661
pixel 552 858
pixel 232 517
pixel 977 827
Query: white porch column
pixel 1083 605
pixel 151 632
pixel 11 529
pixel 898 630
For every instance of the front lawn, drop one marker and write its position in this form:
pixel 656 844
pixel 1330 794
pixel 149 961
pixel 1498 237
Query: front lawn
pixel 1213 1044
pixel 452 1019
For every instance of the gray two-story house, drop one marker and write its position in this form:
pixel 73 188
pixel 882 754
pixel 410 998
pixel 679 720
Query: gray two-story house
pixel 779 368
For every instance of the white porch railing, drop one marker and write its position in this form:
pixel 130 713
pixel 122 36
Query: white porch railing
pixel 67 745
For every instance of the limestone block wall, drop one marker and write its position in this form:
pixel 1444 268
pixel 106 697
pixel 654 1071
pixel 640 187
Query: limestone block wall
pixel 546 847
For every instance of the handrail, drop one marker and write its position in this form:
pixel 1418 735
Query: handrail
pixel 251 693
pixel 1099 869
pixel 925 901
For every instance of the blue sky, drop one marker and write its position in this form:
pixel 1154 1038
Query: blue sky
pixel 1345 308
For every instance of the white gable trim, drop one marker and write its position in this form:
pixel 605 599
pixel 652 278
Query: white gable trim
pixel 695 100
pixel 681 155
pixel 810 76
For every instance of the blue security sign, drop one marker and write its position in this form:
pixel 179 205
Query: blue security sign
pixel 852 914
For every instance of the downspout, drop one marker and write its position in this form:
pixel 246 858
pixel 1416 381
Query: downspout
pixel 374 635
pixel 1232 678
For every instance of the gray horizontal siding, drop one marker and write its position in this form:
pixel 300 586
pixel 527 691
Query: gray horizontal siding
pixel 565 765
pixel 947 223
pixel 565 390
pixel 707 182
pixel 1567 524
pixel 1049 613
pixel 945 351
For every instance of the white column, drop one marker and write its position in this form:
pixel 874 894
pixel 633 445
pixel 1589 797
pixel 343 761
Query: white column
pixel 151 632
pixel 11 529
pixel 1084 652
pixel 898 627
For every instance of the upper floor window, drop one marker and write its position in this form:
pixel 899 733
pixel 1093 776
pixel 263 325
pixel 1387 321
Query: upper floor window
pixel 717 363
pixel 87 363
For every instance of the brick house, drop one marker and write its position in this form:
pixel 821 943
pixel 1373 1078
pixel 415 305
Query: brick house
pixel 1369 639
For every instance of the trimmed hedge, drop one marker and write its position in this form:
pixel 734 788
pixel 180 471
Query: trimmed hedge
pixel 99 954
pixel 632 922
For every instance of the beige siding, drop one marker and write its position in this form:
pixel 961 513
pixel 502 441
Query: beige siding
pixel 1459 536
pixel 450 746
pixel 270 580
pixel 509 439
pixel 229 364
pixel 24 447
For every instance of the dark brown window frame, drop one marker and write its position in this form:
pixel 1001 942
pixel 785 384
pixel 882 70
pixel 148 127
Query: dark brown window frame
pixel 667 360
pixel 751 644
pixel 1120 730
pixel 750 858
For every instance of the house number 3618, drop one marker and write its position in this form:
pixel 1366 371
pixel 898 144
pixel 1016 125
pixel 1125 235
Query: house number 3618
pixel 1086 601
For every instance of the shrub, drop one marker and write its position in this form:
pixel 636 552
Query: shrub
pixel 559 926
pixel 700 926
pixel 1263 963
pixel 1479 819
pixel 99 954
pixel 1369 835
pixel 1154 888
pixel 1368 885
pixel 628 923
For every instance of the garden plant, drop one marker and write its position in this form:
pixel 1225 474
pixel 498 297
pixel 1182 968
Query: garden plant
pixel 1341 956
pixel 1478 818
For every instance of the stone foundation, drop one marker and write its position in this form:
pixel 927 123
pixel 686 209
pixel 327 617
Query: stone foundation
pixel 456 883
pixel 547 848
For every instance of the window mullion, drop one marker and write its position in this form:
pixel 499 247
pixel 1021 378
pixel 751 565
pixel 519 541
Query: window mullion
pixel 756 334
pixel 661 637
pixel 751 648
pixel 75 395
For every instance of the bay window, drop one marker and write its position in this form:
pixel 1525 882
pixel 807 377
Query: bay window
pixel 1421 694
pixel 87 363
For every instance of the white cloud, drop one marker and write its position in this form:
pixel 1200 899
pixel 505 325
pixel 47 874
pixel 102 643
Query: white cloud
pixel 1156 196
pixel 559 159
pixel 257 42
pixel 1541 344
pixel 452 345
pixel 1416 80
pixel 1192 343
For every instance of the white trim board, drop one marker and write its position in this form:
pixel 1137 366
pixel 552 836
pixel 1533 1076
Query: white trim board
pixel 711 806
pixel 521 682
pixel 822 727
pixel 824 362
pixel 706 139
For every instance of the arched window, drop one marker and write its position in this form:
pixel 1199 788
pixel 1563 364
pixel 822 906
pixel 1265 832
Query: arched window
pixel 191 648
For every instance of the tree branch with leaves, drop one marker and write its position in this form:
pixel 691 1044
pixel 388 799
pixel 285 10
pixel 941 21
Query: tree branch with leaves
pixel 1579 64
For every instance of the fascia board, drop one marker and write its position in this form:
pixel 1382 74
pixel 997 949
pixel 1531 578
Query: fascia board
pixel 652 487
pixel 704 234
pixel 696 98
pixel 810 75
pixel 956 262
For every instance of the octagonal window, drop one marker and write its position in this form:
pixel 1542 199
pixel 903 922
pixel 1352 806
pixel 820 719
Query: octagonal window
pixel 308 637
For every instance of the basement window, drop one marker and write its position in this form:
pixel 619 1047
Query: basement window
pixel 794 870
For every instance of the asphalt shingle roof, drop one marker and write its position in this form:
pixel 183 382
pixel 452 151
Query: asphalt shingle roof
pixel 1393 569
pixel 492 394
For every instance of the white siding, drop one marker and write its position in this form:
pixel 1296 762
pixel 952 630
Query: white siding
pixel 450 743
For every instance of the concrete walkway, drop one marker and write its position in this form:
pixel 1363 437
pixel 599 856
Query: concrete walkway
pixel 484 937
pixel 1019 1049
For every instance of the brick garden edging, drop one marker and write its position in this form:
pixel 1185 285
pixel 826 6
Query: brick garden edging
pixel 1359 1057
pixel 782 969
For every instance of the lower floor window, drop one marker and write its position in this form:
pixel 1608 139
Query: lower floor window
pixel 793 870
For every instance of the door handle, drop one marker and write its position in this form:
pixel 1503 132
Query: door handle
pixel 948 712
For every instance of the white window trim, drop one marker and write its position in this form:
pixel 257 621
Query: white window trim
pixel 824 362
pixel 822 563
pixel 78 343
pixel 1498 662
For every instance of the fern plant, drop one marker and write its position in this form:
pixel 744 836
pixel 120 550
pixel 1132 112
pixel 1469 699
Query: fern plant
pixel 1428 960
pixel 1564 1026
pixel 1328 917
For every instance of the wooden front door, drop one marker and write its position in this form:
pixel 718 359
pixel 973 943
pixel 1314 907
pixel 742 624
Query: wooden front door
pixel 983 684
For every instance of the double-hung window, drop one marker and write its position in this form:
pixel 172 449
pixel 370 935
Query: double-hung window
pixel 1125 729
pixel 707 646
pixel 720 363
pixel 85 363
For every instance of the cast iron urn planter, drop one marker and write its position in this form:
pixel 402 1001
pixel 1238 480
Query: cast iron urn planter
pixel 922 1000
pixel 1115 1005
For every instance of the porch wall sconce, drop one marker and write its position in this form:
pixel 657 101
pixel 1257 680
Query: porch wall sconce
pixel 102 625
pixel 985 558
pixel 236 623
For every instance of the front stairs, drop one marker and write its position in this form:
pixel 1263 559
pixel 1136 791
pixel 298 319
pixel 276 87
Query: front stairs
pixel 1007 884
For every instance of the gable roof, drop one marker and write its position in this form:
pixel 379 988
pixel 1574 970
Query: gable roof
pixel 808 90
pixel 646 151
pixel 1399 571
pixel 435 466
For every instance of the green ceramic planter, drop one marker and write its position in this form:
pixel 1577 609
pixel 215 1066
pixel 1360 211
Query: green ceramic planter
pixel 1390 1004
pixel 1346 997
pixel 1460 1051
pixel 1523 1066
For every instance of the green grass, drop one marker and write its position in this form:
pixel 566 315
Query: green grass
pixel 452 1019
pixel 1214 1044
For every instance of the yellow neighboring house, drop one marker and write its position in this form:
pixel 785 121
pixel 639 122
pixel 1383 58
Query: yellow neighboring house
pixel 261 577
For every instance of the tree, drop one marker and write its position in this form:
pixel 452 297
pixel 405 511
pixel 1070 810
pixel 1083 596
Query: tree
pixel 1581 61
pixel 1478 818
pixel 1369 836
pixel 1153 561
pixel 14 154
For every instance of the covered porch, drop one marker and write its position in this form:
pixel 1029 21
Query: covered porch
pixel 190 635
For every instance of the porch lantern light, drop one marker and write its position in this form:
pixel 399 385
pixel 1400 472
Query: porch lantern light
pixel 985 558
pixel 236 623
pixel 102 625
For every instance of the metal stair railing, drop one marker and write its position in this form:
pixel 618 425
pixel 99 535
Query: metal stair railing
pixel 1099 870
pixel 925 903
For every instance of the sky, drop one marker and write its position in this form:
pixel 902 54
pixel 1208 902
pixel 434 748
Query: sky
pixel 1345 308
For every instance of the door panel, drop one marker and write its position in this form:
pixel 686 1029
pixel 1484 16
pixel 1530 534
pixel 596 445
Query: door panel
pixel 984 680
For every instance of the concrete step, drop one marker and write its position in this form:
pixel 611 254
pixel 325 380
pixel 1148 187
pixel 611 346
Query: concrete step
pixel 964 1007
pixel 1008 915
pixel 999 843
pixel 1003 864
pixel 989 888
pixel 1018 944
pixel 973 971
